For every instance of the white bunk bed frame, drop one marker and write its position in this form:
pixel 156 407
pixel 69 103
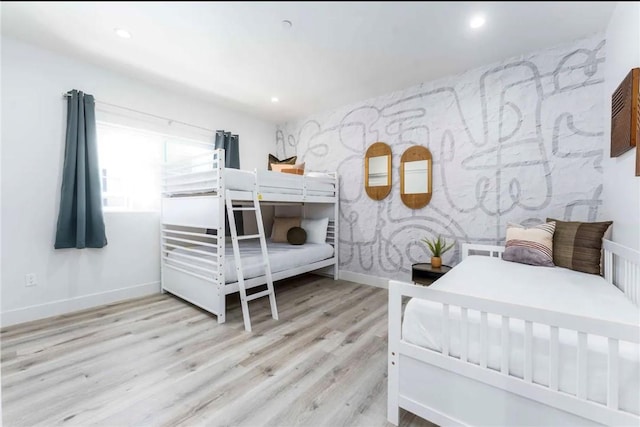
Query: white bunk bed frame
pixel 460 392
pixel 193 201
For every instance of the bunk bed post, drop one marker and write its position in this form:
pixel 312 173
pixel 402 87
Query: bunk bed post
pixel 221 233
pixel 336 225
pixel 162 248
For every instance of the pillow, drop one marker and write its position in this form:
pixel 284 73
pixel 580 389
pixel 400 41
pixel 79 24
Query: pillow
pixel 533 246
pixel 293 171
pixel 316 229
pixel 606 236
pixel 274 160
pixel 578 245
pixel 320 174
pixel 281 227
pixel 286 167
pixel 297 169
pixel 296 236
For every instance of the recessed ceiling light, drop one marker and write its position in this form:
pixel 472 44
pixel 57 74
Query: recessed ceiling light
pixel 122 33
pixel 274 99
pixel 477 21
pixel 286 24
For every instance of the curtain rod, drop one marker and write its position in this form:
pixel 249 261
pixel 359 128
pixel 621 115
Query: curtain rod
pixel 66 95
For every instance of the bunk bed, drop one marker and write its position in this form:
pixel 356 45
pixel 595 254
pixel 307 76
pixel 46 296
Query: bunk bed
pixel 502 343
pixel 203 259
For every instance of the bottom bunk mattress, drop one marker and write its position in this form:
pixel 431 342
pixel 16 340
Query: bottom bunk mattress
pixel 282 256
pixel 549 288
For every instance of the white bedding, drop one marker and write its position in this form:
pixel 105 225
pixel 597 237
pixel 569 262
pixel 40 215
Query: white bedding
pixel 282 256
pixel 237 179
pixel 551 288
pixel 268 182
pixel 278 182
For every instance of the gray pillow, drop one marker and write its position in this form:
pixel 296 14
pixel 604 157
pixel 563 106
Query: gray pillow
pixel 532 246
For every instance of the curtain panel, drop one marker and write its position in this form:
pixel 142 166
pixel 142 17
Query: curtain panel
pixel 231 145
pixel 80 219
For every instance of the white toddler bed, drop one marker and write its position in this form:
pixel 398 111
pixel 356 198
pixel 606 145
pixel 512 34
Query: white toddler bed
pixel 500 343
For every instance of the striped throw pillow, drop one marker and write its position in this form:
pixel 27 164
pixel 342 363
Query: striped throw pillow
pixel 533 246
pixel 578 245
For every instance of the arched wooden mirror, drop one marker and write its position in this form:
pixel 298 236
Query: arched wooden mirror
pixel 377 171
pixel 415 177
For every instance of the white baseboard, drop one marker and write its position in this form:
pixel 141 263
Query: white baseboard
pixel 56 308
pixel 364 279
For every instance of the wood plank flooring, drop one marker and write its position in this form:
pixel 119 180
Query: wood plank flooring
pixel 160 361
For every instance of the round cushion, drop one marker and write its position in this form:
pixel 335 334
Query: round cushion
pixel 296 236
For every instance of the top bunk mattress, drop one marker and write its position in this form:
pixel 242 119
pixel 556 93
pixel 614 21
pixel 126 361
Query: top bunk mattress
pixel 549 288
pixel 279 183
pixel 269 182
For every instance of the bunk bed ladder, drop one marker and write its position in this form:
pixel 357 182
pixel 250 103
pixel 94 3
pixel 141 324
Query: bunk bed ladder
pixel 244 299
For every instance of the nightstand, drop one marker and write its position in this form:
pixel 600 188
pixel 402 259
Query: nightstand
pixel 425 274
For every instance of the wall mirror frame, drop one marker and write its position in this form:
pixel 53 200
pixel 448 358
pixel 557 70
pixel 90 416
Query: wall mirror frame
pixel 416 177
pixel 377 171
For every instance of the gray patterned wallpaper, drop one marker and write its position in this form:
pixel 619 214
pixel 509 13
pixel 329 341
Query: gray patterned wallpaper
pixel 515 141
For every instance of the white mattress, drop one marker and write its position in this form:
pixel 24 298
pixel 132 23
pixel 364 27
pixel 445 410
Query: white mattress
pixel 282 256
pixel 279 183
pixel 551 288
pixel 237 179
pixel 268 182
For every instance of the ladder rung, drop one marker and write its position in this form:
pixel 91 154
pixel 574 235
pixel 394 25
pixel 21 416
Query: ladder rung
pixel 243 209
pixel 249 236
pixel 258 295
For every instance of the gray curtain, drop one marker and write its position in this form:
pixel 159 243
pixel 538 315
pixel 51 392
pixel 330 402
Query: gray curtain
pixel 231 145
pixel 80 220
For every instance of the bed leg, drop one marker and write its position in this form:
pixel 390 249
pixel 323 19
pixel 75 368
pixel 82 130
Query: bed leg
pixel 393 389
pixel 222 307
pixel 393 410
pixel 393 377
pixel 393 415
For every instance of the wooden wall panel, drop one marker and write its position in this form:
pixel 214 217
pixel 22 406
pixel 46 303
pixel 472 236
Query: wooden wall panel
pixel 624 114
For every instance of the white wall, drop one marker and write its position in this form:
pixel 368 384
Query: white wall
pixel 621 186
pixel 0 211
pixel 515 141
pixel 33 131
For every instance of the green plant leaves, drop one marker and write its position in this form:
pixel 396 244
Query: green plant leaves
pixel 437 246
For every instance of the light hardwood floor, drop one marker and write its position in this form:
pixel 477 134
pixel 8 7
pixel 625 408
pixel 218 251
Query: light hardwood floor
pixel 160 361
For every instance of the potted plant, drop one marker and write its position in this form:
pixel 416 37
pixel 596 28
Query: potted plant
pixel 437 247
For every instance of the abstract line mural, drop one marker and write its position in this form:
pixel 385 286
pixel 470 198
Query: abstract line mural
pixel 516 141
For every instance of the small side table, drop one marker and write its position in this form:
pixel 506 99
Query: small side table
pixel 425 274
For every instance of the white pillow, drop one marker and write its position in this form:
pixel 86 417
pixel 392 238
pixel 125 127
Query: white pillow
pixel 316 229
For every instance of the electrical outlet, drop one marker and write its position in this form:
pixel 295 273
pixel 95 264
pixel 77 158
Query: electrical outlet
pixel 30 279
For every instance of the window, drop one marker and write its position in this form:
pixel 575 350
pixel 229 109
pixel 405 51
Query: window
pixel 130 161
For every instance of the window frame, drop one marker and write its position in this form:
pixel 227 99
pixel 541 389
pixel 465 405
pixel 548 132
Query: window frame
pixel 165 139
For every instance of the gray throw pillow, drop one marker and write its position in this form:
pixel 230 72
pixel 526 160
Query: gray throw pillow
pixel 532 246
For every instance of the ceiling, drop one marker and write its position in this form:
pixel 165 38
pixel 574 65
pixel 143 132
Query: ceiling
pixel 238 53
